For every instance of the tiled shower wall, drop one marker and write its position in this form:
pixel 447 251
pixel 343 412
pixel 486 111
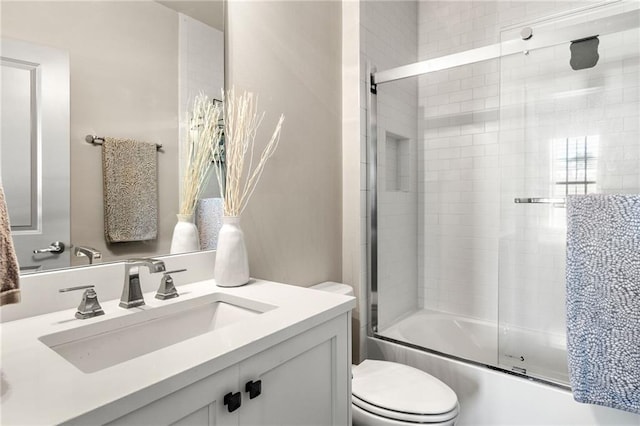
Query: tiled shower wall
pixel 389 35
pixel 460 155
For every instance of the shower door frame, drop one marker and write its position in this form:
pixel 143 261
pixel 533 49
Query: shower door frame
pixel 610 24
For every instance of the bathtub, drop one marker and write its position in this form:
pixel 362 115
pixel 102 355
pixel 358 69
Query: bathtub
pixel 488 397
pixel 537 354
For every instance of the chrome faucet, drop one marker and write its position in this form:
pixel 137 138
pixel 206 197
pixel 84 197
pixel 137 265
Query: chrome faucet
pixel 90 252
pixel 131 292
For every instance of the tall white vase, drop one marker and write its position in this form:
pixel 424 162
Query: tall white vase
pixel 185 235
pixel 232 263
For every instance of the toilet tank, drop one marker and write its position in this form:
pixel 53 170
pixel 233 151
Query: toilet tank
pixel 333 287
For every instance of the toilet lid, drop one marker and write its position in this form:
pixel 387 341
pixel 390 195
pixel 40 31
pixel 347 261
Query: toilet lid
pixel 400 388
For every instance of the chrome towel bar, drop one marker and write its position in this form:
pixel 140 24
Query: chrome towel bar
pixel 97 140
pixel 528 200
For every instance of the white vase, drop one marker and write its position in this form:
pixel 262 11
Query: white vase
pixel 232 263
pixel 185 235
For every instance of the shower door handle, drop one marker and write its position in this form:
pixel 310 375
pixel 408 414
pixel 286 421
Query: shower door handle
pixel 528 200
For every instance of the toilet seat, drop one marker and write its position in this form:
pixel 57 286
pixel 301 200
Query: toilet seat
pixel 399 392
pixel 405 417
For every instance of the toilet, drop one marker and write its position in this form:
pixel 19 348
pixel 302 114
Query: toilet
pixel 388 393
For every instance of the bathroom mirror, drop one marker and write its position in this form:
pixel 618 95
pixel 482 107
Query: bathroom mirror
pixel 132 69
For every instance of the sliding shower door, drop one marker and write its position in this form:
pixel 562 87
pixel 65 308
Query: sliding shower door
pixel 397 202
pixel 568 125
pixel 437 211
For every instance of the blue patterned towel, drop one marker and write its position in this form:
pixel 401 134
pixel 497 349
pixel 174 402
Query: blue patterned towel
pixel 603 299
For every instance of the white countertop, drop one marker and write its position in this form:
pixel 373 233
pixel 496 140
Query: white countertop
pixel 38 386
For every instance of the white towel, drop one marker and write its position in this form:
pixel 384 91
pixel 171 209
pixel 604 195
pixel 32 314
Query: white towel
pixel 603 299
pixel 9 269
pixel 130 172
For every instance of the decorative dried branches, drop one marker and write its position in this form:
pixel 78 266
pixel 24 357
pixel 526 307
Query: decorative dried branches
pixel 241 122
pixel 203 139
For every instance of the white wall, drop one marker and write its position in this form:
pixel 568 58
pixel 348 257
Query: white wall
pixel 354 260
pixel 289 53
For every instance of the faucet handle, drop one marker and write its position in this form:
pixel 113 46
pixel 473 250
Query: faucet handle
pixel 80 287
pixel 167 289
pixel 89 306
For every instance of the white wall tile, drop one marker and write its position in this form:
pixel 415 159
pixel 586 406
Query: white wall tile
pixel 391 40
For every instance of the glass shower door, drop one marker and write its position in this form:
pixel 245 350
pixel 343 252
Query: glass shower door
pixel 437 211
pixel 563 131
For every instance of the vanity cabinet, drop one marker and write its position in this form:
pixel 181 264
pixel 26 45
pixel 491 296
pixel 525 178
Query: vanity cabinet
pixel 304 380
pixel 180 359
pixel 197 404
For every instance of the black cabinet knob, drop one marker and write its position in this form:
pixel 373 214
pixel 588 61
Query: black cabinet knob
pixel 254 388
pixel 232 401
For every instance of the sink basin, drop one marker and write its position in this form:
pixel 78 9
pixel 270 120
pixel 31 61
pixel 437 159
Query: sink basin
pixel 94 347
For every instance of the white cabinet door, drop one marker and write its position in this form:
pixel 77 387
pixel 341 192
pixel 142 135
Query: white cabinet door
pixel 304 381
pixel 199 404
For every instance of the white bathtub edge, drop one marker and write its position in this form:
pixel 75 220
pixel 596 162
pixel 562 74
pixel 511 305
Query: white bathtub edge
pixel 493 398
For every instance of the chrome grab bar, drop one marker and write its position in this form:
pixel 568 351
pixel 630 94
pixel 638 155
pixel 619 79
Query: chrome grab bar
pixel 534 200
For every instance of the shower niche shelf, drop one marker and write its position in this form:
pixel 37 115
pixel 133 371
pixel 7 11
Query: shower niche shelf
pixel 397 156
